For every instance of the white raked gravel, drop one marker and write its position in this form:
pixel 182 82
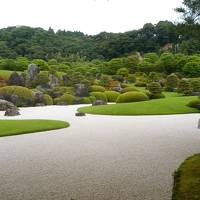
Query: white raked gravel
pixel 97 157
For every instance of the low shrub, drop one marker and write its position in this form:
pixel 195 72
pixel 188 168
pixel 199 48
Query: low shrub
pixel 85 100
pixel 130 89
pixel 111 95
pixel 155 95
pixel 66 99
pixel 20 96
pixel 194 104
pixel 97 88
pixel 48 100
pixel 140 84
pixel 99 96
pixel 92 98
pixel 132 97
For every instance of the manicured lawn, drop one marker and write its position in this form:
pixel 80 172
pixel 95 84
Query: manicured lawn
pixel 15 127
pixel 187 180
pixel 171 105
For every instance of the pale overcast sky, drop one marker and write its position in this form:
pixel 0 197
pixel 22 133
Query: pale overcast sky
pixel 88 16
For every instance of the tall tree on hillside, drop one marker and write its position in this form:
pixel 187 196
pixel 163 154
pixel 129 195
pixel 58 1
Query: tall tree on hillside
pixel 190 11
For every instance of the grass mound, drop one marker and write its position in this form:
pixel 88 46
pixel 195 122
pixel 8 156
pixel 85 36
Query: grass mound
pixel 187 180
pixel 16 127
pixel 173 105
pixel 132 97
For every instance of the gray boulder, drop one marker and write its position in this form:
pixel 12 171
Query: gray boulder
pixel 32 72
pixel 12 111
pixel 16 79
pixel 81 90
pixel 53 81
pixel 79 114
pixel 98 103
pixel 39 97
pixel 4 105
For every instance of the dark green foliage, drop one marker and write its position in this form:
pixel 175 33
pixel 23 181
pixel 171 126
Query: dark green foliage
pixel 85 100
pixel 185 87
pixel 111 96
pixel 92 98
pixel 24 96
pixel 155 90
pixel 99 96
pixel 140 84
pixel 194 104
pixel 195 84
pixel 172 82
pixel 155 96
pixel 132 97
pixel 41 79
pixel 131 78
pixel 66 99
pixel 48 100
pixel 192 69
pixel 97 88
pixel 130 89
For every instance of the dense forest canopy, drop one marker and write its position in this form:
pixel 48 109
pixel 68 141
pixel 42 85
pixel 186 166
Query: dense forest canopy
pixel 47 44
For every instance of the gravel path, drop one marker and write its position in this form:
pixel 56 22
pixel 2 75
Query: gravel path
pixel 97 158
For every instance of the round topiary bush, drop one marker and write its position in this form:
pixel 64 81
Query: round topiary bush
pixel 97 88
pixel 48 100
pixel 155 95
pixel 92 98
pixel 20 96
pixel 132 97
pixel 99 96
pixel 130 89
pixel 85 100
pixel 194 104
pixel 111 95
pixel 66 99
pixel 141 84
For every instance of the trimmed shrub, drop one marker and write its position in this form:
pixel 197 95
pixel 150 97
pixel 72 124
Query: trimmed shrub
pixel 48 100
pixel 154 88
pixel 132 97
pixel 131 78
pixel 97 88
pixel 99 96
pixel 20 96
pixel 155 96
pixel 140 84
pixel 92 98
pixel 172 82
pixel 85 100
pixel 66 99
pixel 185 87
pixel 111 95
pixel 195 84
pixel 130 89
pixel 124 85
pixel 194 104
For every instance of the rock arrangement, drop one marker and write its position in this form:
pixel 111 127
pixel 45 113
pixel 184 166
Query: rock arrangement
pixel 4 105
pixel 98 103
pixel 12 111
pixel 79 114
pixel 9 108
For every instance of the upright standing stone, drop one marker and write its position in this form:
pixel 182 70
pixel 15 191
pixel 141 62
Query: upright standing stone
pixel 32 72
pixel 53 81
pixel 81 90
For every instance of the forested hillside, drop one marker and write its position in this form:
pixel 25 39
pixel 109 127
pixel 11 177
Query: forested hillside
pixel 39 43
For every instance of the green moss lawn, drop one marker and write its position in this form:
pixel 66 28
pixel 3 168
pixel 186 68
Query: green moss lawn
pixel 16 127
pixel 169 105
pixel 187 180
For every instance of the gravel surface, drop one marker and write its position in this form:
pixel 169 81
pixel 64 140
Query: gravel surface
pixel 97 157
